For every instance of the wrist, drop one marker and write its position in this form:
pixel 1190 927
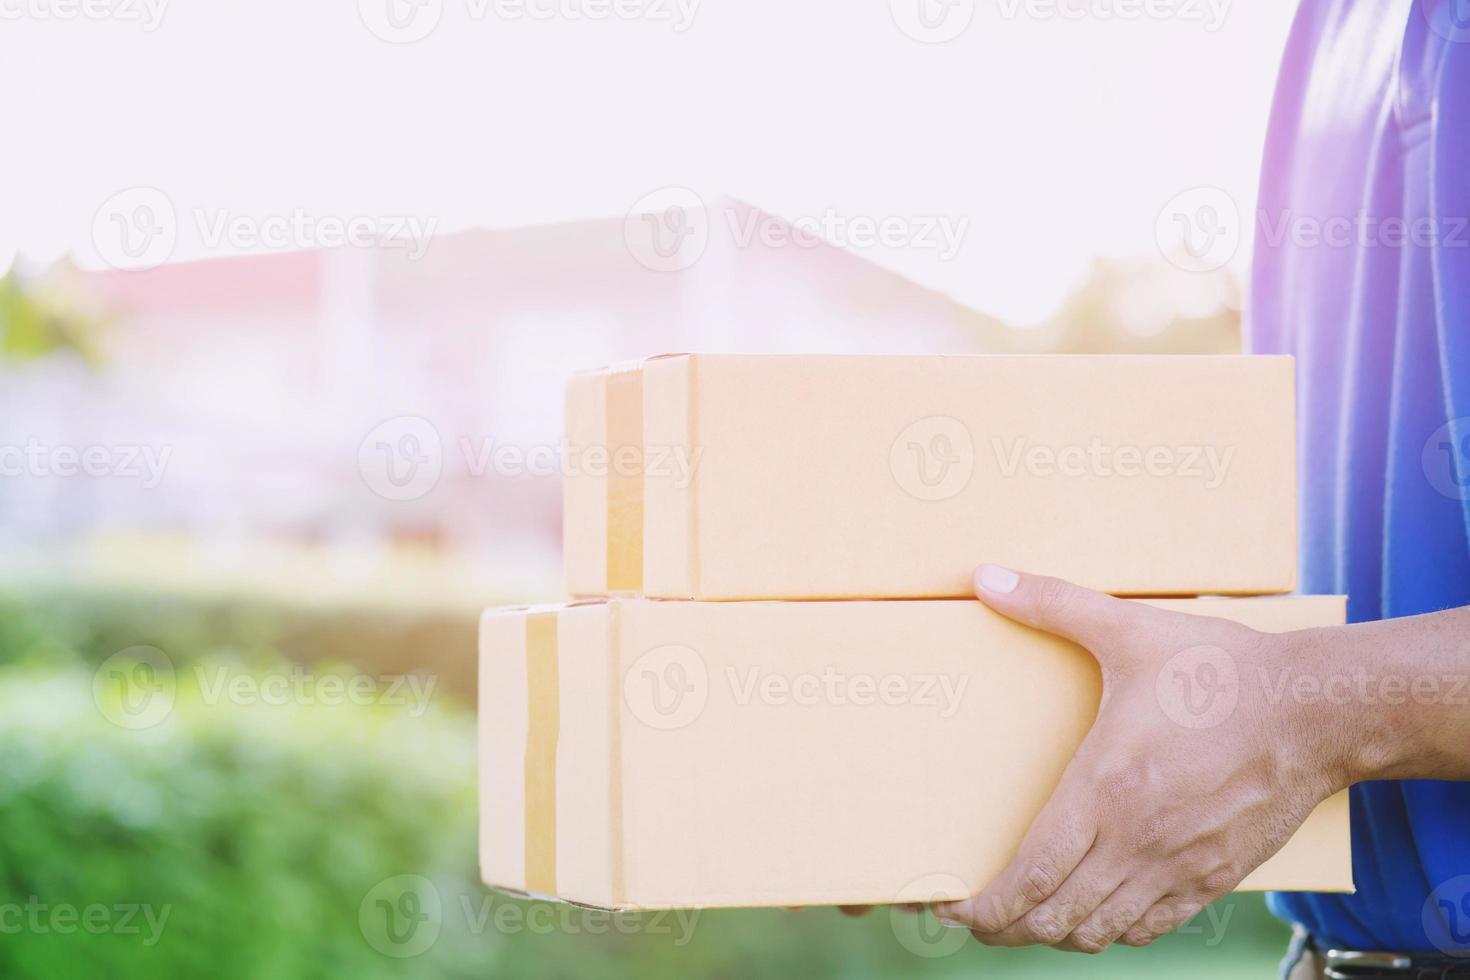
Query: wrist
pixel 1339 710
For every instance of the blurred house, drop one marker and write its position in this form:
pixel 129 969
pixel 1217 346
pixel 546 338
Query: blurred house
pixel 260 376
pixel 257 380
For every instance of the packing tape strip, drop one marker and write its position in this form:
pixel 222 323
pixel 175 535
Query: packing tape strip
pixel 544 727
pixel 624 482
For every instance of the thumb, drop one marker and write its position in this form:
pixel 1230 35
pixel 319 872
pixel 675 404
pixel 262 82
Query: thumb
pixel 1083 616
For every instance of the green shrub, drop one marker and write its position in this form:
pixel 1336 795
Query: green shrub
pixel 247 837
pixel 60 626
pixel 309 839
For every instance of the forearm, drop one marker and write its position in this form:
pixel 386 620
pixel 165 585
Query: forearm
pixel 1384 700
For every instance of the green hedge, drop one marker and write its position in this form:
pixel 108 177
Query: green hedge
pixel 83 626
pixel 310 839
pixel 251 834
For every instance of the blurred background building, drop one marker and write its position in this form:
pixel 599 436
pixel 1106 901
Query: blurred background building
pixel 253 382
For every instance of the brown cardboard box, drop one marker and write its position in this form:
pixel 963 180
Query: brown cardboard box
pixel 646 754
pixel 808 477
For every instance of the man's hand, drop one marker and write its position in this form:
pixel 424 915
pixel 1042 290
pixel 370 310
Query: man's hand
pixel 1189 778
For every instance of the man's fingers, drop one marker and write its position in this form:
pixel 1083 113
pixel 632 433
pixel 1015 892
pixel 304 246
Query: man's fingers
pixel 1115 916
pixel 1166 915
pixel 1083 616
pixel 1057 842
pixel 1053 920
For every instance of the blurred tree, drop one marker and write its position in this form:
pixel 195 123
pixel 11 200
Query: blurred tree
pixel 1133 305
pixel 1149 306
pixel 45 314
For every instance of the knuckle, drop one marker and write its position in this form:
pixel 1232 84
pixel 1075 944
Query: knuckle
pixel 1218 882
pixel 1038 882
pixel 1053 598
pixel 989 918
pixel 1153 832
pixel 1088 940
pixel 1044 928
pixel 1153 923
pixel 1170 915
pixel 1116 920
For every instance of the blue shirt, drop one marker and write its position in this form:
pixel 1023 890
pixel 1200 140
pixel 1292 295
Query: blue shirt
pixel 1371 123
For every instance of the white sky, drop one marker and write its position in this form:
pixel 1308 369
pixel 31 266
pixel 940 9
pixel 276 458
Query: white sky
pixel 1058 137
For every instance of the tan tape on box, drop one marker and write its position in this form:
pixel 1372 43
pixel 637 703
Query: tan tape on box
pixel 544 727
pixel 624 482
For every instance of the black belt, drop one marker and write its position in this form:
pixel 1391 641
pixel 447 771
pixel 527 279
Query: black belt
pixel 1354 964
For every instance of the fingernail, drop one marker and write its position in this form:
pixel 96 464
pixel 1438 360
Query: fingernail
pixel 951 924
pixel 993 578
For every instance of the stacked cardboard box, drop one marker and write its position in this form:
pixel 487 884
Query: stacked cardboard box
pixel 690 735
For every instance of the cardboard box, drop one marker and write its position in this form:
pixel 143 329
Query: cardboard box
pixel 646 754
pixel 809 477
